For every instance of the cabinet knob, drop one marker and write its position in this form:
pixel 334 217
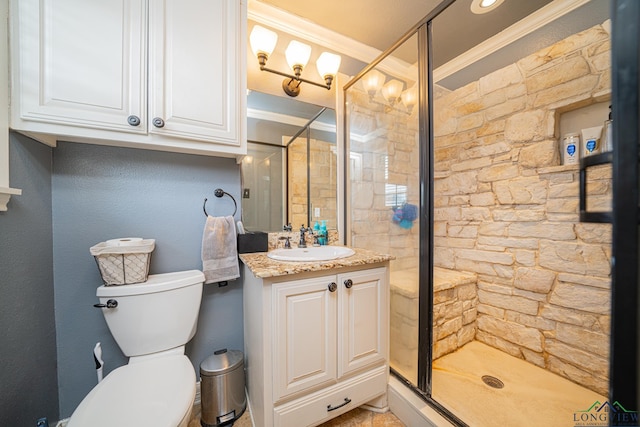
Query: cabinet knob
pixel 348 283
pixel 158 122
pixel 133 120
pixel 332 287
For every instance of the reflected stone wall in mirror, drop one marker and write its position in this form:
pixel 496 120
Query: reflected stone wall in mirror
pixel 275 186
pixel 316 201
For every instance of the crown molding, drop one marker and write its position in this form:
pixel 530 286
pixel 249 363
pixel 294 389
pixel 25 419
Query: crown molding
pixel 288 120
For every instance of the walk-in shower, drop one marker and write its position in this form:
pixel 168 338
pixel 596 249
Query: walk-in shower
pixel 500 296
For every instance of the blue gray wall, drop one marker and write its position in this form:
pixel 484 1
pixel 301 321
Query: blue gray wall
pixel 102 193
pixel 28 381
pixel 74 196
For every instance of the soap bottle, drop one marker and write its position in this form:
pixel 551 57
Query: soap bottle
pixel 323 233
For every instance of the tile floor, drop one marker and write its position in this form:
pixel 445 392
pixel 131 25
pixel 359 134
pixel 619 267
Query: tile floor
pixel 354 418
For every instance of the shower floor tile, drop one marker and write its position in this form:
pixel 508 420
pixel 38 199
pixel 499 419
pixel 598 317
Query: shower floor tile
pixel 531 395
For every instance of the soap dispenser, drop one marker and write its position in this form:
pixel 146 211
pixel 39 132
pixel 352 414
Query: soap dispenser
pixel 323 233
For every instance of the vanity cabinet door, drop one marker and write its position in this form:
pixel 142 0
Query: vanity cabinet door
pixel 363 320
pixel 80 63
pixel 195 87
pixel 304 338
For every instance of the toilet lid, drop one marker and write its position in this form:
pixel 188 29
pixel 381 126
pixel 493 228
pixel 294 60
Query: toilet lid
pixel 157 392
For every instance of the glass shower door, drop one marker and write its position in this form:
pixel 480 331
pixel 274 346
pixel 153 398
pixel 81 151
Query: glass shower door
pixel 383 188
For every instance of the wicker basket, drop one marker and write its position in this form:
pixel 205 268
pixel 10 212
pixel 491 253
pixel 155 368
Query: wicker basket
pixel 123 261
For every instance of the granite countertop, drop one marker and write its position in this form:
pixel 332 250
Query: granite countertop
pixel 262 266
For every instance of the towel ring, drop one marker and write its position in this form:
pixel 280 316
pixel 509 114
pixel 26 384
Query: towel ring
pixel 219 192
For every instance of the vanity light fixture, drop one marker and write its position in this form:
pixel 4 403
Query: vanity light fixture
pixel 483 6
pixel 263 42
pixel 374 83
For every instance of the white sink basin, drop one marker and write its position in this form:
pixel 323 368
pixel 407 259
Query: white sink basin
pixel 311 253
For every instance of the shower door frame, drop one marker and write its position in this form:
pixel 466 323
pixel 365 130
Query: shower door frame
pixel 624 379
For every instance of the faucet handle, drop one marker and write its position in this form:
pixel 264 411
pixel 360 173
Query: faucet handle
pixel 287 243
pixel 287 227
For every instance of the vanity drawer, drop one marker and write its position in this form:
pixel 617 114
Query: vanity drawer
pixel 314 408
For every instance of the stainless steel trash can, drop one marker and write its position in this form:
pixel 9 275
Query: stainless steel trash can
pixel 222 388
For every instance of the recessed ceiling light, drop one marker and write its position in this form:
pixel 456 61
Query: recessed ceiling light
pixel 483 6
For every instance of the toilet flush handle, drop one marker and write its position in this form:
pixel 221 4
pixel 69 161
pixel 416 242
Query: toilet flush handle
pixel 110 304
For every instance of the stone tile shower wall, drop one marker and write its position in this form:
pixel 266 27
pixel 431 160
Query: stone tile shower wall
pixel 385 161
pixel 506 210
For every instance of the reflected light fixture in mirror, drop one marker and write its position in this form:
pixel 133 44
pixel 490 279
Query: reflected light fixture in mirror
pixel 263 43
pixel 374 84
pixel 391 91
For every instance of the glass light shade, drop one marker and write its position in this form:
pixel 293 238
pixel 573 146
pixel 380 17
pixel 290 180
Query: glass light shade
pixel 392 90
pixel 328 64
pixel 262 40
pixel 373 81
pixel 410 97
pixel 297 54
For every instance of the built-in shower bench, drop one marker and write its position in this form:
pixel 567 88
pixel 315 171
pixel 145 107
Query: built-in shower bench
pixel 454 314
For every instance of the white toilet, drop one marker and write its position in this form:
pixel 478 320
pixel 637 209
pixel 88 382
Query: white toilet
pixel 151 323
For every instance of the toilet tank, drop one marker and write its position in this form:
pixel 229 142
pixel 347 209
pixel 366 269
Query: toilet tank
pixel 156 315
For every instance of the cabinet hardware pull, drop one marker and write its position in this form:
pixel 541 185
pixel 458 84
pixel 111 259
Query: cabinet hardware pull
pixel 158 122
pixel 333 408
pixel 133 120
pixel 110 304
pixel 332 287
pixel 348 283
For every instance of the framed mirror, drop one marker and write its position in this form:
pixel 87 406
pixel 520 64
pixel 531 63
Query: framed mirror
pixel 289 175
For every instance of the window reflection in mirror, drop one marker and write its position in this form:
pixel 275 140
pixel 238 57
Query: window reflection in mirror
pixel 289 174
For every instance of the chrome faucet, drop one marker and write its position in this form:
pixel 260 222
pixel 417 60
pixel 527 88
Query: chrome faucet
pixel 303 242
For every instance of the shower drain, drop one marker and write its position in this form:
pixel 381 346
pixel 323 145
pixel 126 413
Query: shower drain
pixel 492 381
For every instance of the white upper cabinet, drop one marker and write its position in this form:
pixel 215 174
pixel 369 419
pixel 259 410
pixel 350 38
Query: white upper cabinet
pixel 159 74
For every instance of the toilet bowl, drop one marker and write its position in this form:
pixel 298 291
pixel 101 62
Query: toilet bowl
pixel 151 323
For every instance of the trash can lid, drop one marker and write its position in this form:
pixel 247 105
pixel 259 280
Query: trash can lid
pixel 221 361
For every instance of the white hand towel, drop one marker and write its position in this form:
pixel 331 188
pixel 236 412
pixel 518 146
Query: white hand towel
pixel 219 250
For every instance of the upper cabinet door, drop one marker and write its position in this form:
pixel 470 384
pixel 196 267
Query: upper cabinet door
pixel 82 63
pixel 363 311
pixel 195 90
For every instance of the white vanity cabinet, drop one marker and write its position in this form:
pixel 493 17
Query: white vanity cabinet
pixel 316 344
pixel 160 74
